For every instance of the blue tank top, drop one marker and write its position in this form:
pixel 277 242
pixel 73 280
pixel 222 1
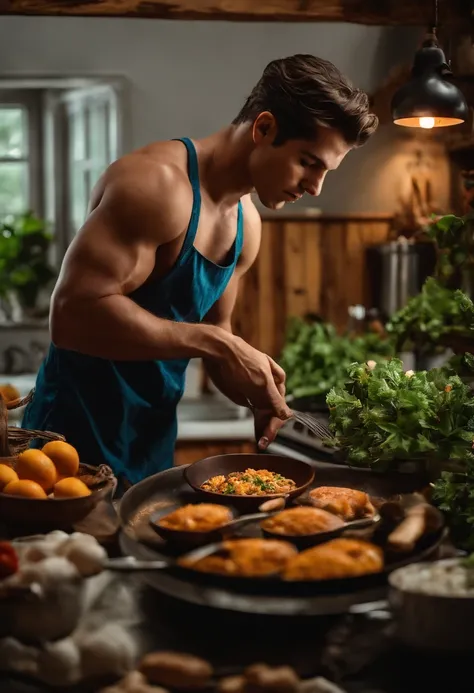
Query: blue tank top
pixel 123 413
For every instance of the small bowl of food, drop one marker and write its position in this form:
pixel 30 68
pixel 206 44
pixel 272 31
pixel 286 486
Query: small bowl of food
pixel 246 480
pixel 303 526
pixel 194 524
pixel 433 605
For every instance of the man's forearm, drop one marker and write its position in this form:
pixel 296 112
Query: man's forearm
pixel 214 372
pixel 115 328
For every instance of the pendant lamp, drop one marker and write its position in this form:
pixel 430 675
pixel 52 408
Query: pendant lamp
pixel 428 100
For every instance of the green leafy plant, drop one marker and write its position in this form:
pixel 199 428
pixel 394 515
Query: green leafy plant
pixel 453 493
pixel 434 313
pixel 24 263
pixel 315 357
pixel 383 416
pixel 454 238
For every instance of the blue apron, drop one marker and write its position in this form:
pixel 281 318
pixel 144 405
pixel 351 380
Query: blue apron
pixel 123 413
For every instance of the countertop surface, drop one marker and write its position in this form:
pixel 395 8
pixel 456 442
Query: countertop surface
pixel 239 425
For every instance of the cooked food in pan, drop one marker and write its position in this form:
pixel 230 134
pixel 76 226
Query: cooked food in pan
pixel 252 482
pixel 201 517
pixel 347 503
pixel 339 558
pixel 246 558
pixel 302 521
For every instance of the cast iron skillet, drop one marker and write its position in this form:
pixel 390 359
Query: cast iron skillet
pixel 199 472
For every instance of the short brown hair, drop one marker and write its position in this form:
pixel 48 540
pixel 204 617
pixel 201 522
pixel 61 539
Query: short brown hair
pixel 303 91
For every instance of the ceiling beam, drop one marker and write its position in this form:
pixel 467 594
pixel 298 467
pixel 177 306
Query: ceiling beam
pixel 375 12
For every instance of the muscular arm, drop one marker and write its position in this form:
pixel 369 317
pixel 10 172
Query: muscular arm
pixel 221 312
pixel 113 254
pixel 267 424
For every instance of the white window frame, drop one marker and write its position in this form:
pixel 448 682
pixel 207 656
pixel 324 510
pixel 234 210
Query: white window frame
pixel 31 103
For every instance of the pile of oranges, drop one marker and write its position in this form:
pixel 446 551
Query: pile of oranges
pixel 50 471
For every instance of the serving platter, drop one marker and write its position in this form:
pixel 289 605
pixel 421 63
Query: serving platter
pixel 168 489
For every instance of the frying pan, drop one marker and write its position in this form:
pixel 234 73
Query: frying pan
pixel 274 585
pixel 197 473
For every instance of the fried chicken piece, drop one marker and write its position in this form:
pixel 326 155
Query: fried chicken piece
pixel 301 521
pixel 246 557
pixel 198 517
pixel 339 558
pixel 347 503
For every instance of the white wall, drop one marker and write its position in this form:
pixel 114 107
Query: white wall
pixel 190 78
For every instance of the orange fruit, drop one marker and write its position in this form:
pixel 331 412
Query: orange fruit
pixel 34 465
pixel 71 487
pixel 25 488
pixel 7 474
pixel 65 457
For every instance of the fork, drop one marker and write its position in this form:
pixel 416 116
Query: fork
pixel 310 422
pixel 313 424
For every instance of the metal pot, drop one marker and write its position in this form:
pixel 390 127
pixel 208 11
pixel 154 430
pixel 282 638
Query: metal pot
pixel 430 622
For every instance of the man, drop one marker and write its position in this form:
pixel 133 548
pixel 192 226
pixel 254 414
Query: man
pixel 151 279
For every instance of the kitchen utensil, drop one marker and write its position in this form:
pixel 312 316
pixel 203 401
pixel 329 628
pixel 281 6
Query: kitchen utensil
pixel 315 425
pixel 197 473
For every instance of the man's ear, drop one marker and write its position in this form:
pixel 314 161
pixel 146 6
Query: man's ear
pixel 264 128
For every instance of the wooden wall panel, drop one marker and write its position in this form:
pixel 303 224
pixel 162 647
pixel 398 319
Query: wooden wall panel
pixel 305 266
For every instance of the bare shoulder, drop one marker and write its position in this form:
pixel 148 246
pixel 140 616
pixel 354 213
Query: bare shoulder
pixel 147 190
pixel 252 233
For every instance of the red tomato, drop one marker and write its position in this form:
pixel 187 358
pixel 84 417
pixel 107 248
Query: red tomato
pixel 8 559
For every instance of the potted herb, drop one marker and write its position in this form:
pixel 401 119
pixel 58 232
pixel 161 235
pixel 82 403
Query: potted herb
pixel 385 419
pixel 25 268
pixel 454 238
pixel 315 357
pixel 434 319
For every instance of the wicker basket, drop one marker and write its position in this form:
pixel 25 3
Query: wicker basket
pixel 14 440
pixel 42 515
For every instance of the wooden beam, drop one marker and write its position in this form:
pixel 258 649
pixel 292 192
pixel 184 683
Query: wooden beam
pixel 377 12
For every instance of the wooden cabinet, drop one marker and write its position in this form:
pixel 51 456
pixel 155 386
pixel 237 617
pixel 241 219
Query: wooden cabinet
pixel 188 451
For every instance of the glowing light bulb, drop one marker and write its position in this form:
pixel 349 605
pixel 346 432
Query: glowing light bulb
pixel 427 123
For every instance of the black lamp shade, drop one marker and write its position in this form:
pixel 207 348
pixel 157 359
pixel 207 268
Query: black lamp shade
pixel 428 94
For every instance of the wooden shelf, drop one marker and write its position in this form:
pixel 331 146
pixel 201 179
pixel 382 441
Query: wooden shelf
pixel 387 13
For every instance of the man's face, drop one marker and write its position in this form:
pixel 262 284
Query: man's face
pixel 284 173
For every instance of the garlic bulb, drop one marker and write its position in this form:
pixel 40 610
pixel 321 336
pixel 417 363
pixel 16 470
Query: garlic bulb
pixel 85 553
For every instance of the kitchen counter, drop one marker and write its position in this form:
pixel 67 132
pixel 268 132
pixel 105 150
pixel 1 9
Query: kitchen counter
pixel 240 429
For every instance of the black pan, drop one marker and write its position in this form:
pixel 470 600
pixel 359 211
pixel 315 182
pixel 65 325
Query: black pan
pixel 165 490
pixel 274 585
pixel 197 473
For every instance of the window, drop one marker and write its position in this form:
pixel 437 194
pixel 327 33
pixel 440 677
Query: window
pixel 92 144
pixel 57 137
pixel 19 142
pixel 14 193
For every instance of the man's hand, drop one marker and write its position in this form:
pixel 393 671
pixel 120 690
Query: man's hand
pixel 266 428
pixel 254 376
